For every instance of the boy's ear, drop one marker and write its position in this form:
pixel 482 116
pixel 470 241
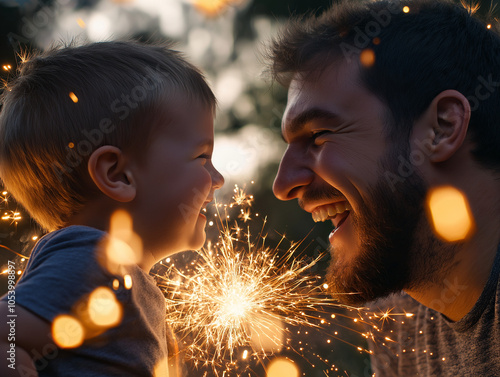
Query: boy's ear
pixel 449 115
pixel 109 170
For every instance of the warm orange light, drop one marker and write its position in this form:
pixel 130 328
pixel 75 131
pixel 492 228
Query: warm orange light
pixel 81 23
pixel 282 368
pixel 120 252
pixel 450 213
pixel 73 97
pixel 406 9
pixel 127 281
pixel 103 308
pixel 367 57
pixel 124 247
pixel 161 369
pixel 211 7
pixel 267 333
pixel 488 26
pixel 67 331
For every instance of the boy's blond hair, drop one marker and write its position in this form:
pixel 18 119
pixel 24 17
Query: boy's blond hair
pixel 67 102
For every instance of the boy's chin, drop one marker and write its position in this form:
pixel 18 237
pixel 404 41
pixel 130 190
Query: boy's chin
pixel 198 240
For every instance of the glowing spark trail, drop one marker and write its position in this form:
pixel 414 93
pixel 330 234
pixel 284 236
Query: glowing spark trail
pixel 241 302
pixel 241 293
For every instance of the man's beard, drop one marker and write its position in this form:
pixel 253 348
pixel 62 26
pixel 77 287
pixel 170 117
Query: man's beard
pixel 397 247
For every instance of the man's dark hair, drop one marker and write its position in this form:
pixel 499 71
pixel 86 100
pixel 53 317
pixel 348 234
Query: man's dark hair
pixel 420 48
pixel 67 102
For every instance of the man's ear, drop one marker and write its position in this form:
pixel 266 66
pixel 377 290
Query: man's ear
pixel 449 117
pixel 109 170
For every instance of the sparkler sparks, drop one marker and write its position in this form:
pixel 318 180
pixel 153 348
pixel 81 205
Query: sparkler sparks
pixel 241 303
pixel 239 299
pixel 13 216
pixel 233 299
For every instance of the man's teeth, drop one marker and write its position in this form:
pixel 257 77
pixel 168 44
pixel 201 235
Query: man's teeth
pixel 330 210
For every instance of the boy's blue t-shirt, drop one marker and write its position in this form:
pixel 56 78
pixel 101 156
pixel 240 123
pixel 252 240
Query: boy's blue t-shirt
pixel 62 271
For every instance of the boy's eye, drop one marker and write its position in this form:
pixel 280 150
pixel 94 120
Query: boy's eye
pixel 205 156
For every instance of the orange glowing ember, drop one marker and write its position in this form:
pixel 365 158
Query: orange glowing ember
pixel 367 57
pixel 67 331
pixel 104 309
pixel 211 7
pixel 450 213
pixel 282 367
pixel 73 97
pixel 81 23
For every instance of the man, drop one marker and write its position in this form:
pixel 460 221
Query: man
pixel 387 102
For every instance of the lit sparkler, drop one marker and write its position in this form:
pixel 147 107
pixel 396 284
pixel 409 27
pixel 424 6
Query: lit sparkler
pixel 239 293
pixel 240 300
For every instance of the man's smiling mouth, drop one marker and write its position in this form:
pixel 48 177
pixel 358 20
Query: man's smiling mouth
pixel 336 212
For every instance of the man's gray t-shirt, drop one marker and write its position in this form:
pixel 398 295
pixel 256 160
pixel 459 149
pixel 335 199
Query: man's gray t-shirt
pixel 62 271
pixel 428 344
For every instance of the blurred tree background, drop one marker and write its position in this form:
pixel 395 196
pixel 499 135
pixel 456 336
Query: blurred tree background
pixel 226 39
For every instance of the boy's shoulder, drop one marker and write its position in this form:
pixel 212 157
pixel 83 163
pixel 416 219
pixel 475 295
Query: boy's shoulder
pixel 69 264
pixel 64 277
pixel 61 259
pixel 72 242
pixel 70 233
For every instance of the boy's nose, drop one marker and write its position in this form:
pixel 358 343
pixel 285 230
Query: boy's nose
pixel 293 175
pixel 217 179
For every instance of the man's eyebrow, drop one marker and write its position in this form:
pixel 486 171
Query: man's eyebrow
pixel 297 123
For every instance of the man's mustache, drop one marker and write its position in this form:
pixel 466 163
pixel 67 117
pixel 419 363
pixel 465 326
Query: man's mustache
pixel 316 194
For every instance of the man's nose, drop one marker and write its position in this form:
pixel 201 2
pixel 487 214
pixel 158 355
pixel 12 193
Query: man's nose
pixel 293 175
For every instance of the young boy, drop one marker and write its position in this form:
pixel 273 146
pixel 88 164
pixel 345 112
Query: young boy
pixel 84 132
